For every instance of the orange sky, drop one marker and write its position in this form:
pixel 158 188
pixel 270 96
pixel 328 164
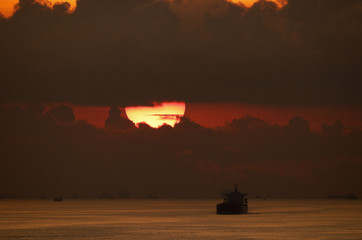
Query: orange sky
pixel 249 3
pixel 7 6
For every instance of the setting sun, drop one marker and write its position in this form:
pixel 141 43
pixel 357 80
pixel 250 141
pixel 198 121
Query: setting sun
pixel 161 113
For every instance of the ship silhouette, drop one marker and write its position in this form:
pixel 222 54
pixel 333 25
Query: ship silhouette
pixel 234 203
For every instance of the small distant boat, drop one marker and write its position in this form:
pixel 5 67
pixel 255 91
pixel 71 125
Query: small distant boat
pixel 347 196
pixel 234 203
pixel 58 199
pixel 75 196
pixel 152 196
pixel 106 196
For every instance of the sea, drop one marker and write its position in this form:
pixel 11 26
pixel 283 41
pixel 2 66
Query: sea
pixel 179 219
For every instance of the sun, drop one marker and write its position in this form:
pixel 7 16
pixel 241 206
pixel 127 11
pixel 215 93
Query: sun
pixel 159 114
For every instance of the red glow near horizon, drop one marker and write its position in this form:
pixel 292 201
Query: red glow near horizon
pixel 218 114
pixel 213 115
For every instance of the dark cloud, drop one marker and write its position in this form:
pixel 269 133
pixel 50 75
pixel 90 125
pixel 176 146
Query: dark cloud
pixel 62 7
pixel 62 114
pixel 116 122
pixel 40 156
pixel 129 52
pixel 336 128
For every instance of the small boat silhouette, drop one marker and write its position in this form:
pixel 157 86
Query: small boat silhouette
pixel 58 199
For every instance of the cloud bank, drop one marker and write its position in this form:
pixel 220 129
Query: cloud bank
pixel 43 156
pixel 130 52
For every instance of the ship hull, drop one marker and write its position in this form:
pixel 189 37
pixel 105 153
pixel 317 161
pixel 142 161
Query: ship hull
pixel 227 208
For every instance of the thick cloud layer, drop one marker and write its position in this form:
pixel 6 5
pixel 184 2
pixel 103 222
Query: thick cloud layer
pixel 112 52
pixel 41 156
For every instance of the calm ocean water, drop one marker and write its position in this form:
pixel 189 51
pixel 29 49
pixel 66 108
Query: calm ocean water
pixel 179 219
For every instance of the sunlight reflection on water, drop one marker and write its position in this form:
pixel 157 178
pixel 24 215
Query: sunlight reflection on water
pixel 179 219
